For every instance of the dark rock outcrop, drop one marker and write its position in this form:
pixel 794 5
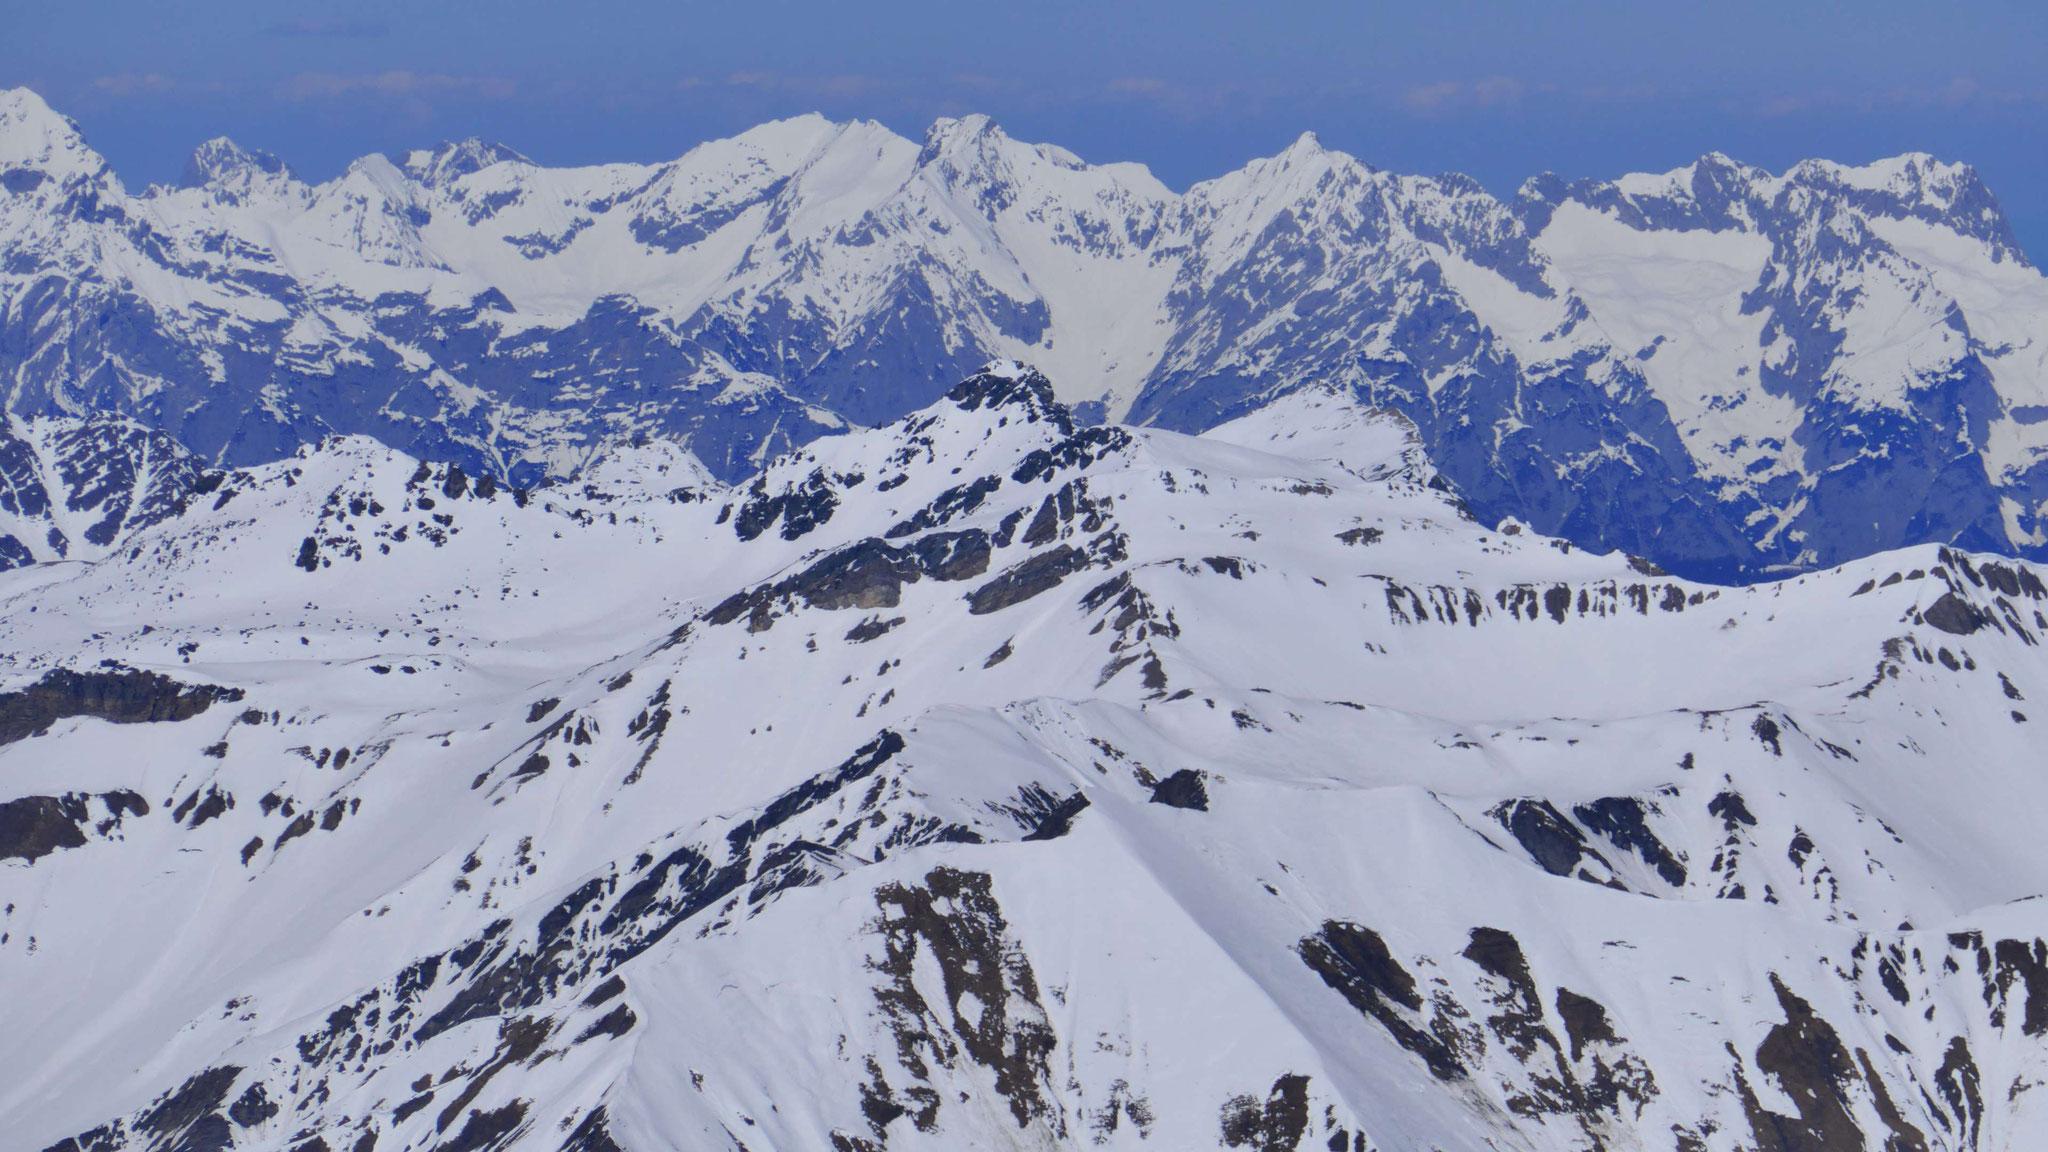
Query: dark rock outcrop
pixel 118 696
pixel 1182 789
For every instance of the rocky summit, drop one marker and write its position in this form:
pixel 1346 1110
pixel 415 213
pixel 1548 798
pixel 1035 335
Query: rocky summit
pixel 993 777
pixel 1733 373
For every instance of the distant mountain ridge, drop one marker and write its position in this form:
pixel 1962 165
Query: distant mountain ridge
pixel 1728 371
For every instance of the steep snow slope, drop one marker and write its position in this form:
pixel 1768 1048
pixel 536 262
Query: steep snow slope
pixel 984 780
pixel 1734 372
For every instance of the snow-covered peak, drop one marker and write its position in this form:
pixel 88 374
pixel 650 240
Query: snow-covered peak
pixel 682 204
pixel 998 430
pixel 35 137
pixel 949 137
pixel 1011 384
pixel 847 174
pixel 1306 145
pixel 375 211
pixel 228 174
pixel 1241 204
pixel 377 172
pixel 1303 160
pixel 1713 193
pixel 450 161
pixel 1909 173
pixel 784 143
pixel 1330 424
pixel 991 420
pixel 1324 190
pixel 972 153
pixel 1916 186
pixel 221 160
pixel 1717 193
pixel 1714 169
pixel 1009 370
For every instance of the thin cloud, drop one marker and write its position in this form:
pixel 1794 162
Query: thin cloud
pixel 846 86
pixel 135 84
pixel 398 84
pixel 328 29
pixel 1498 90
pixel 1958 93
pixel 1185 102
pixel 981 82
pixel 1449 95
pixel 1616 93
pixel 125 85
pixel 1432 97
pixel 833 86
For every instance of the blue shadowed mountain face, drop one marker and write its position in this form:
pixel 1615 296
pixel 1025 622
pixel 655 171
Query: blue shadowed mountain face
pixel 1730 372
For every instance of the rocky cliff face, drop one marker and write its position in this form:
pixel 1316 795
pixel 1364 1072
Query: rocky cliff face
pixel 989 780
pixel 1731 372
pixel 71 489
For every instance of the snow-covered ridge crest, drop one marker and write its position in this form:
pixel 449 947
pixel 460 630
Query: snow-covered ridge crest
pixel 1718 366
pixel 450 161
pixel 221 159
pixel 1328 424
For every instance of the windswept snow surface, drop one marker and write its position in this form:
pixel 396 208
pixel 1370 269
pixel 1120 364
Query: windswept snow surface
pixel 1735 373
pixel 986 780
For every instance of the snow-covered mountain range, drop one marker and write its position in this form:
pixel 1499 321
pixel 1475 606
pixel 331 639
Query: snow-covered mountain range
pixel 1729 371
pixel 987 779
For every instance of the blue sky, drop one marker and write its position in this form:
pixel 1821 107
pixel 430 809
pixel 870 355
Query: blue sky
pixel 1497 91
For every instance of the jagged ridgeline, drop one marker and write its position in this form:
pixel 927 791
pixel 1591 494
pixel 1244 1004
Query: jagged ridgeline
pixel 990 780
pixel 1730 372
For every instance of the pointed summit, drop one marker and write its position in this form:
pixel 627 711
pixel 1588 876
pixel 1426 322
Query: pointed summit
pixel 1308 150
pixel 1254 191
pixel 949 136
pixel 35 136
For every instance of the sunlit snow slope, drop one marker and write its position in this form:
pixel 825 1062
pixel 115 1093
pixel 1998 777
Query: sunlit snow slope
pixel 984 780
